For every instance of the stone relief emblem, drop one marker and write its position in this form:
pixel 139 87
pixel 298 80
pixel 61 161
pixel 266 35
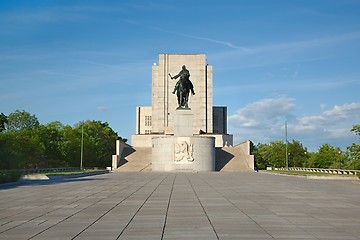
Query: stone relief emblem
pixel 184 151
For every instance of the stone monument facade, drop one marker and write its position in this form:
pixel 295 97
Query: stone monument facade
pixel 159 119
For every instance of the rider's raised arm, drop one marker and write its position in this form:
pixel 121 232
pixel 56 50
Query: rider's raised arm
pixel 176 76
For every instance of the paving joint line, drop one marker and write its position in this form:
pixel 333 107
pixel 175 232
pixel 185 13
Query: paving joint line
pixel 202 206
pixel 44 214
pixel 132 218
pixel 26 210
pixel 168 206
pixel 76 212
pixel 238 209
pixel 109 210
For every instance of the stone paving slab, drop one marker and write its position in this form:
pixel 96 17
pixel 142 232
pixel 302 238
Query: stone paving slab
pixel 180 206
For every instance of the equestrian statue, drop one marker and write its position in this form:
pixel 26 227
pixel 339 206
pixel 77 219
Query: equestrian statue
pixel 183 87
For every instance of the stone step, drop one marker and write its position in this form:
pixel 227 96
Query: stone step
pixel 228 159
pixel 135 160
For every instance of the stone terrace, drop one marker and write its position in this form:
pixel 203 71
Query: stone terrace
pixel 181 206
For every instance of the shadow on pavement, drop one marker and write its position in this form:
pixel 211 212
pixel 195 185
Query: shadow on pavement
pixel 23 183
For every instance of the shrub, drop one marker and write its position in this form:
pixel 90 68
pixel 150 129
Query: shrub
pixel 9 175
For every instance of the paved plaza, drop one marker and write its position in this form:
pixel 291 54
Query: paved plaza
pixel 180 206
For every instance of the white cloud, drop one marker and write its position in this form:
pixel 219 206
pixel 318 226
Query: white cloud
pixel 264 120
pixel 327 119
pixel 338 133
pixel 263 114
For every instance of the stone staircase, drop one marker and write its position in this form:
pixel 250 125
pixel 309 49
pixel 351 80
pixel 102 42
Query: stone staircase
pixel 135 160
pixel 228 159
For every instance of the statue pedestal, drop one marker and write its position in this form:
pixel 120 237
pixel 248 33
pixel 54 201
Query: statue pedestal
pixel 183 122
pixel 183 151
pixel 190 154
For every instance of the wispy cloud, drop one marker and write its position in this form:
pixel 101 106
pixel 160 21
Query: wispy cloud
pixel 286 52
pixel 227 44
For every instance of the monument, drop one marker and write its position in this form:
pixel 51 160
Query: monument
pixel 159 118
pixel 181 130
pixel 183 151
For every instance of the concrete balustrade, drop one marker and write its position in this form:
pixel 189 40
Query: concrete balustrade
pixel 323 170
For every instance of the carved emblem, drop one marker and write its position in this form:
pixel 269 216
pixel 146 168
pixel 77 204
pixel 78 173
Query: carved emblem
pixel 184 151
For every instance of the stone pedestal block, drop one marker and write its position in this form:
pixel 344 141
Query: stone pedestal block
pixel 195 154
pixel 183 122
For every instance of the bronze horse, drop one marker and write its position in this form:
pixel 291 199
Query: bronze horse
pixel 183 87
pixel 182 92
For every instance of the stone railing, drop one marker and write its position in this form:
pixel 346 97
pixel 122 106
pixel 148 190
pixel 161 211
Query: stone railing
pixel 323 170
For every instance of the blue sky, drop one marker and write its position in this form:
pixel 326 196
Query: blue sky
pixel 273 61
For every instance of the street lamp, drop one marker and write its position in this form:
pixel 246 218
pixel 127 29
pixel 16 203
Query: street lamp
pixel 286 147
pixel 82 146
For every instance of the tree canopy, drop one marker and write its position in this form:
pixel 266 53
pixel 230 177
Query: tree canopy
pixel 327 156
pixel 3 121
pixel 19 120
pixel 356 129
pixel 25 143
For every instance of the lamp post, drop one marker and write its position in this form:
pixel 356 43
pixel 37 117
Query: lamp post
pixel 82 146
pixel 286 147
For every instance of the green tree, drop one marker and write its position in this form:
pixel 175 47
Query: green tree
pixel 99 143
pixel 52 138
pixel 71 147
pixel 356 129
pixel 22 149
pixel 7 159
pixel 21 120
pixel 297 154
pixel 259 151
pixel 26 143
pixel 353 151
pixel 3 121
pixel 326 157
pixel 353 156
pixel 21 145
pixel 277 154
pixel 274 154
